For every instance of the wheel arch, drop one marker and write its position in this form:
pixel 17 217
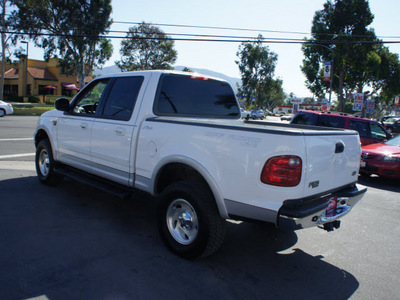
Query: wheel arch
pixel 40 135
pixel 183 168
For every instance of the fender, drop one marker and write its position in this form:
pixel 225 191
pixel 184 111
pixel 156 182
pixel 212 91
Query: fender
pixel 200 169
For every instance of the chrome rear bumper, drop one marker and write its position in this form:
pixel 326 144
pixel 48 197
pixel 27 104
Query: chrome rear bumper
pixel 298 214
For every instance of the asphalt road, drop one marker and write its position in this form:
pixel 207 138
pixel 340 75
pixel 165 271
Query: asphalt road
pixel 75 242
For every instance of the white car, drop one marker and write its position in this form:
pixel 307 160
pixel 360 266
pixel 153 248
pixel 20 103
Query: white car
pixel 5 108
pixel 287 117
pixel 244 113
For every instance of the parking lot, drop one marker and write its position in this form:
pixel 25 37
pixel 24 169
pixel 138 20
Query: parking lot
pixel 76 242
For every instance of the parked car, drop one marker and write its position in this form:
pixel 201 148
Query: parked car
pixel 287 117
pixel 384 118
pixel 257 114
pixel 370 131
pixel 382 159
pixel 244 113
pixel 269 113
pixel 392 124
pixel 5 108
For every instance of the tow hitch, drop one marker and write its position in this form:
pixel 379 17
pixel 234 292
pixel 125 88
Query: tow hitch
pixel 331 226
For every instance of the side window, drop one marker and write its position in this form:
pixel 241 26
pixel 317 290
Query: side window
pixel 331 121
pixel 361 127
pixel 377 132
pixel 87 102
pixel 122 98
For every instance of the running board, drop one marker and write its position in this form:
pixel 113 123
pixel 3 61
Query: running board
pixel 110 187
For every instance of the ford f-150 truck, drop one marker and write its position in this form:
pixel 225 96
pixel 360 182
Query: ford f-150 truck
pixel 179 136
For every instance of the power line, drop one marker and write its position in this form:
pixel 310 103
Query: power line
pixel 209 38
pixel 243 29
pixel 211 27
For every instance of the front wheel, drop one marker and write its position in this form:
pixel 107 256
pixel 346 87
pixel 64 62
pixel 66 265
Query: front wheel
pixel 188 220
pixel 45 164
pixel 2 112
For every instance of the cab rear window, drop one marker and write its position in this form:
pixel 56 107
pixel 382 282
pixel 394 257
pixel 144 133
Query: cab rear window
pixel 195 97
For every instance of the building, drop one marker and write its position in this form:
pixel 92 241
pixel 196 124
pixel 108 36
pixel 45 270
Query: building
pixel 42 79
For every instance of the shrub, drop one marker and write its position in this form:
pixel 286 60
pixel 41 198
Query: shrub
pixel 15 99
pixel 33 99
pixel 50 101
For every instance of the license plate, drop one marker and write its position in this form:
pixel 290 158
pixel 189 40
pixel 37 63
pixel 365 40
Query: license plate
pixel 331 210
pixel 363 164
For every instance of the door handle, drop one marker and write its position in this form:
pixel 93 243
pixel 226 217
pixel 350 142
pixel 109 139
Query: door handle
pixel 120 131
pixel 84 126
pixel 339 148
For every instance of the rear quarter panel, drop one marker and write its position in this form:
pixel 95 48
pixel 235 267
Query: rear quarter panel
pixel 230 158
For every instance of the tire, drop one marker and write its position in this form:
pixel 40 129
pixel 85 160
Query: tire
pixel 188 220
pixel 2 112
pixel 45 164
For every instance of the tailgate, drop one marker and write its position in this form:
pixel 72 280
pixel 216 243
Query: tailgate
pixel 333 160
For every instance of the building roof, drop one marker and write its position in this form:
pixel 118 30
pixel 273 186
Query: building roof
pixel 36 73
pixel 41 73
pixel 11 74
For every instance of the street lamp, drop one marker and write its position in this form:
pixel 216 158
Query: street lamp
pixel 26 68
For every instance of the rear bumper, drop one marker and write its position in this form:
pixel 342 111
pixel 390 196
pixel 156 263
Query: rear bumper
pixel 298 214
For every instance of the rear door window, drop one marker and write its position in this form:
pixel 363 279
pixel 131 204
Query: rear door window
pixel 122 98
pixel 195 97
pixel 331 121
pixel 361 127
pixel 305 119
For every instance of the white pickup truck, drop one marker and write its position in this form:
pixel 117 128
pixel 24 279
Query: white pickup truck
pixel 179 137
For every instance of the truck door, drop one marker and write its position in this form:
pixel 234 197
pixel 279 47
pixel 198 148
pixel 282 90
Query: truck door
pixel 113 130
pixel 74 129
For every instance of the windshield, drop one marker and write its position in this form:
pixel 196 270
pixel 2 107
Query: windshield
pixel 394 141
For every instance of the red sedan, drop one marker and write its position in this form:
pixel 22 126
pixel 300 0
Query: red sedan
pixel 382 159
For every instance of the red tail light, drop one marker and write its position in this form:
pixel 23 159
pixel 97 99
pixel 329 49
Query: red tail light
pixel 199 77
pixel 282 171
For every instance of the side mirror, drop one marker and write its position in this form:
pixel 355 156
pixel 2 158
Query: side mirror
pixel 62 104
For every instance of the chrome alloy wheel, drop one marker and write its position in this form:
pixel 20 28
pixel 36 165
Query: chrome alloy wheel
pixel 44 163
pixel 182 221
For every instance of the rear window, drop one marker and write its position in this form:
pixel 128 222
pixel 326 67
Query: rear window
pixel 195 97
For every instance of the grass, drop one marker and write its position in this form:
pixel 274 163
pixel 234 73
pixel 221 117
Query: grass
pixel 31 110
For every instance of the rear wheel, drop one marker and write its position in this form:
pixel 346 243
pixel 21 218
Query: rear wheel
pixel 188 220
pixel 45 164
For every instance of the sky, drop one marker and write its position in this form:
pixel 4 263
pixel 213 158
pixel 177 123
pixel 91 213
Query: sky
pixel 277 19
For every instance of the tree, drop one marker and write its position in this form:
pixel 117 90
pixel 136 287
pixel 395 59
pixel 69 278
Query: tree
pixel 5 38
pixel 70 29
pixel 146 47
pixel 342 27
pixel 257 66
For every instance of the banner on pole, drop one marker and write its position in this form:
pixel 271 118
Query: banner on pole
pixel 370 106
pixel 358 102
pixel 327 71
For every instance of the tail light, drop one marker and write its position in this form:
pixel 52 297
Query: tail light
pixel 282 171
pixel 199 77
